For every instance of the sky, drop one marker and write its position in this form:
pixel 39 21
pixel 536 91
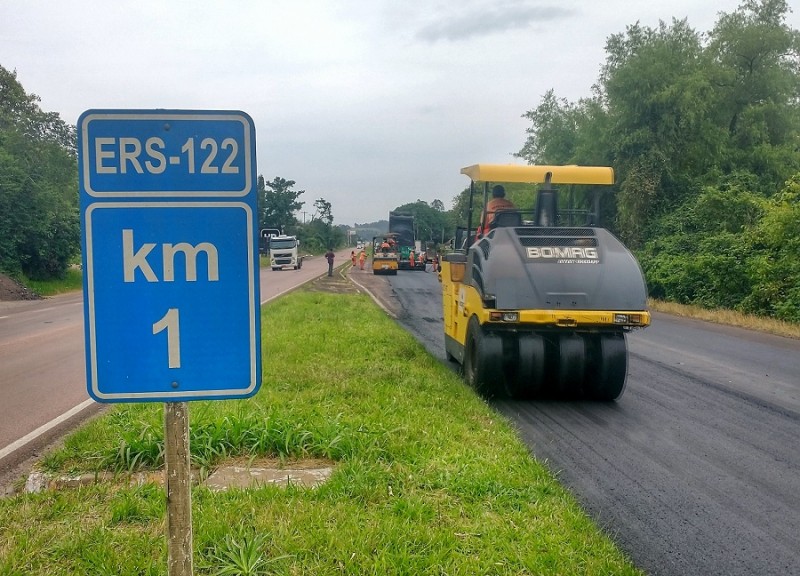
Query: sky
pixel 367 104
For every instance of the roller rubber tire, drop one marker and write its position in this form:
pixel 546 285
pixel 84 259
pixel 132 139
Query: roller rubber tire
pixel 483 359
pixel 609 377
pixel 528 373
pixel 571 364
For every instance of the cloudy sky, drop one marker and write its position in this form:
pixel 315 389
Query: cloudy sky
pixel 367 104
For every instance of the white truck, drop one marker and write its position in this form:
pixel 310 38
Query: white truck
pixel 283 252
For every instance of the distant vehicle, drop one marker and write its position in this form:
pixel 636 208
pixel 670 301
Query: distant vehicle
pixel 359 246
pixel 384 261
pixel 401 225
pixel 283 252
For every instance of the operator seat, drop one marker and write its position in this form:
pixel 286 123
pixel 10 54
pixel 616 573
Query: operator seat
pixel 506 219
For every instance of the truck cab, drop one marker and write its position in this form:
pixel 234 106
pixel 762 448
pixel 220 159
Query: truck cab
pixel 284 252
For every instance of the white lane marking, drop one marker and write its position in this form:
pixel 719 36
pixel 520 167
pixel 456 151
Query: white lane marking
pixel 44 428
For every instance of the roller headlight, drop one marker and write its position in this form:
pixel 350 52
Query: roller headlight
pixel 500 316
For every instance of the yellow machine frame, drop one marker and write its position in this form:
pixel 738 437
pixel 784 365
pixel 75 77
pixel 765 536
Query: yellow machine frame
pixel 384 263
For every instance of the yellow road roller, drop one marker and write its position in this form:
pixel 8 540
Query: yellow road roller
pixel 537 303
pixel 385 255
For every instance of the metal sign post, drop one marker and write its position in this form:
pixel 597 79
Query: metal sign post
pixel 170 260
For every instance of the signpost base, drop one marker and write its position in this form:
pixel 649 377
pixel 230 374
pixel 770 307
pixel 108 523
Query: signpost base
pixel 179 488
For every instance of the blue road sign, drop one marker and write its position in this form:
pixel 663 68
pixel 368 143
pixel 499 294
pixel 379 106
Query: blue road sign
pixel 169 232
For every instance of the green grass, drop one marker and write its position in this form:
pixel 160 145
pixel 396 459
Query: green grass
pixel 73 280
pixel 428 479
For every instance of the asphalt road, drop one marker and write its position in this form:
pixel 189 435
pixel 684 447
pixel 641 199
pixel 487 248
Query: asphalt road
pixel 43 368
pixel 696 469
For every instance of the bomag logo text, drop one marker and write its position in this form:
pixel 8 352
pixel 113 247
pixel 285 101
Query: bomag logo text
pixel 563 252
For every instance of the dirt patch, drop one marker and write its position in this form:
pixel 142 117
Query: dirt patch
pixel 352 280
pixel 234 473
pixel 348 279
pixel 339 283
pixel 11 290
pixel 309 473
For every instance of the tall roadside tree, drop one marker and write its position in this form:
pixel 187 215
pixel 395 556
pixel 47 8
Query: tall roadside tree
pixel 320 233
pixel 641 113
pixel 39 223
pixel 278 202
pixel 557 127
pixel 659 100
pixel 756 58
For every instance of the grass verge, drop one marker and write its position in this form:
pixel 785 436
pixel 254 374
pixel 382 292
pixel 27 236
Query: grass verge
pixel 72 280
pixel 729 318
pixel 428 479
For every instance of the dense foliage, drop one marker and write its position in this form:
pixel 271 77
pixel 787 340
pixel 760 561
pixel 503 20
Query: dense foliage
pixel 430 220
pixel 703 131
pixel 39 225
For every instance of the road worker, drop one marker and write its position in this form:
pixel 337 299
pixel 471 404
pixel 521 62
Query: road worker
pixel 497 202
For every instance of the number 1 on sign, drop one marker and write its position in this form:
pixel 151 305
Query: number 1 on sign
pixel 170 322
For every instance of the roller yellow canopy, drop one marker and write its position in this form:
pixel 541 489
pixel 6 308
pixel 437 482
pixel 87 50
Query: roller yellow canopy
pixel 537 174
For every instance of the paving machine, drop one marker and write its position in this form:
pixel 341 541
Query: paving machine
pixel 401 227
pixel 536 307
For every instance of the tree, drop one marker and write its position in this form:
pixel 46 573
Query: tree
pixel 660 108
pixel 553 134
pixel 279 204
pixel 322 211
pixel 432 224
pixel 757 74
pixel 39 224
pixel 319 233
